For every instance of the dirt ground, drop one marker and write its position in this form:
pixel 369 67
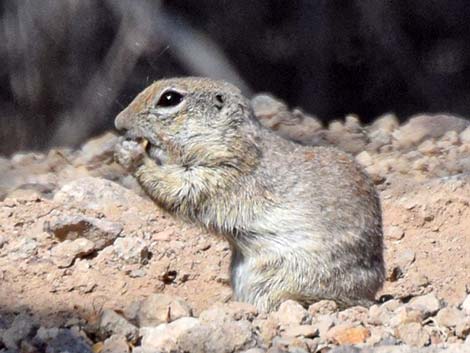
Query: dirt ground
pixel 426 218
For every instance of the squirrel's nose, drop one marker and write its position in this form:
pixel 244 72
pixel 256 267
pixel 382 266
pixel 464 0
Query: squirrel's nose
pixel 122 121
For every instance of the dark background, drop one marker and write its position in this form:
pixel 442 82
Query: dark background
pixel 68 66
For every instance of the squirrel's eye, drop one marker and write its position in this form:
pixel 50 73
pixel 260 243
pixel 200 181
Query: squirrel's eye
pixel 170 99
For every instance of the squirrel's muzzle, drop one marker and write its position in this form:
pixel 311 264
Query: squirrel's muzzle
pixel 123 120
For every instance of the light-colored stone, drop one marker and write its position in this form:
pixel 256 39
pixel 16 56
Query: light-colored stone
pixel 394 232
pixel 387 122
pixel 24 326
pixel 421 127
pixel 465 136
pixel 268 328
pixel 112 323
pixel 348 334
pixel 404 315
pixel 323 323
pixel 98 150
pixel 323 307
pixel 413 334
pixel 164 337
pixel 364 158
pixel 132 250
pixel 291 313
pixel 428 304
pixel 162 308
pixel 378 315
pixel 466 305
pixel 450 317
pixel 462 329
pixel 70 227
pixel 355 314
pixel 96 194
pixel 307 331
pixel 428 147
pixel 115 344
pixel 391 305
pixel 65 253
pixel 232 311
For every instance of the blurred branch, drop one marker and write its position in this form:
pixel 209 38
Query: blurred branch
pixel 141 21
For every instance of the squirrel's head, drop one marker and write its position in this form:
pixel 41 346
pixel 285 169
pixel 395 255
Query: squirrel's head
pixel 193 121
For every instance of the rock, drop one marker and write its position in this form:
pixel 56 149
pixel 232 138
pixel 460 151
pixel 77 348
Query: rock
pixel 364 158
pixel 405 315
pixel 380 132
pixel 428 304
pixel 466 305
pixel 413 334
pixel 465 136
pixel 352 123
pixel 65 253
pixel 3 241
pixel 230 336
pixel 99 231
pixel 291 345
pixel 348 334
pixel 26 248
pixel 377 335
pixel 132 250
pixel 347 349
pixel 266 107
pixel 161 308
pixel 291 313
pixel 323 307
pixel 323 323
pixel 394 232
pixel 131 311
pixel 96 194
pixel 112 323
pixel 346 140
pixel 24 195
pixel 378 315
pixel 391 305
pixel 405 259
pixel 378 139
pixel 462 329
pixel 295 125
pixel 97 150
pixel 23 327
pixel 268 328
pixel 26 158
pixel 449 317
pixel 356 314
pixel 232 311
pixel 164 337
pixel 422 127
pixel 254 350
pixel 386 122
pixel 115 344
pixel 61 341
pixel 308 331
pixel 43 335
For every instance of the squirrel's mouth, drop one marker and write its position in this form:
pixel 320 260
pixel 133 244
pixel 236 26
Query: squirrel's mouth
pixel 155 151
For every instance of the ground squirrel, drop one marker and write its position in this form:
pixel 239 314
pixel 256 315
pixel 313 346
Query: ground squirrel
pixel 304 223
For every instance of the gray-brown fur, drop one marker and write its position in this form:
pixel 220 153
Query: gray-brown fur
pixel 304 223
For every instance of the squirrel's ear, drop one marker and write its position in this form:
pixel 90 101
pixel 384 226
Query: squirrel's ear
pixel 219 100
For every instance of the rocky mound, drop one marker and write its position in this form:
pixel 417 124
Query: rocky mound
pixel 89 264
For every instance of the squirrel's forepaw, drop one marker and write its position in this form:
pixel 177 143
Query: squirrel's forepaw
pixel 129 154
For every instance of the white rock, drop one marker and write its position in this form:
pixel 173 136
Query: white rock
pixel 161 308
pixel 164 337
pixel 466 305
